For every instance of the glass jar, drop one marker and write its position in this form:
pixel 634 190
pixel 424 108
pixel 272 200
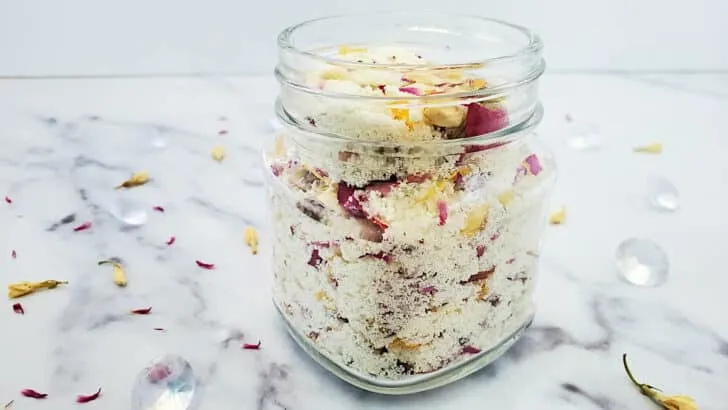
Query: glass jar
pixel 408 195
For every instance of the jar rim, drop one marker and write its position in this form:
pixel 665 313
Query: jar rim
pixel 532 47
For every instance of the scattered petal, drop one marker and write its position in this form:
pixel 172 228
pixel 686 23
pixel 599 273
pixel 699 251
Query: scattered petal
pixel 158 208
pixel 87 398
pixel 204 265
pixel 18 308
pixel 481 120
pixel 158 372
pixel 655 148
pixel 343 50
pixel 346 197
pixel 13 254
pixel 428 290
pixel 451 116
pixel 251 238
pixel 33 394
pixel 386 257
pixel 475 221
pixel 379 222
pixel 482 275
pixel 171 240
pixel 222 132
pixel 506 197
pixel 383 187
pixel 160 329
pixel 16 290
pixel 411 90
pixel 136 179
pixel 532 164
pixel 248 346
pixel 558 217
pixel 8 200
pixel 83 226
pixel 142 311
pixel 382 88
pixel 679 402
pixel 218 153
pixel 470 349
pixel 417 178
pixel 479 250
pixel 315 259
pixel 118 275
pixel 442 211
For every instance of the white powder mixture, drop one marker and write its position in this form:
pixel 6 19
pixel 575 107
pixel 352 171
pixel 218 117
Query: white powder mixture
pixel 396 268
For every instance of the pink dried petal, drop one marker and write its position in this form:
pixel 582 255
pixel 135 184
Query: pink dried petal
pixel 480 250
pixel 158 208
pixel 83 226
pixel 142 311
pixel 470 149
pixel 407 80
pixel 382 88
pixel 417 178
pixel 204 265
pixel 8 200
pixel 13 254
pixel 346 197
pixel 383 187
pixel 470 349
pixel 481 120
pixel 315 259
pixel 158 372
pixel 386 257
pixel 411 90
pixel 87 398
pixel 459 181
pixel 248 346
pixel 321 244
pixel 533 164
pixel 33 394
pixel 378 222
pixel 428 290
pixel 171 240
pixel 495 236
pixel 442 211
pixel 222 132
pixel 276 169
pixel 18 308
pixel 321 172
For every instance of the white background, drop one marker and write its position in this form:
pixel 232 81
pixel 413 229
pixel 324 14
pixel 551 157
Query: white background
pixel 142 37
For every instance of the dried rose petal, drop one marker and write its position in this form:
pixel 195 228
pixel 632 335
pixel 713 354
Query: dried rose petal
pixel 411 90
pixel 378 222
pixel 222 132
pixel 8 200
pixel 33 394
pixel 248 346
pixel 532 164
pixel 386 257
pixel 481 120
pixel 142 311
pixel 316 259
pixel 470 349
pixel 171 240
pixel 382 88
pixel 13 254
pixel 459 181
pixel 417 178
pixel 347 200
pixel 276 169
pixel 495 236
pixel 158 208
pixel 204 265
pixel 480 250
pixel 442 211
pixel 383 187
pixel 428 290
pixel 87 398
pixel 160 329
pixel 158 372
pixel 482 275
pixel 83 226
pixel 18 308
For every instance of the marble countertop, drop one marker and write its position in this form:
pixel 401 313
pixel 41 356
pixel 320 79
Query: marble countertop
pixel 67 143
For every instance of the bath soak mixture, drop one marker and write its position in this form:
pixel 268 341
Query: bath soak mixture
pixel 392 263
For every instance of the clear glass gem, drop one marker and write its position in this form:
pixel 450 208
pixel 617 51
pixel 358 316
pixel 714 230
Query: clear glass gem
pixel 128 211
pixel 642 262
pixel 167 383
pixel 663 195
pixel 583 136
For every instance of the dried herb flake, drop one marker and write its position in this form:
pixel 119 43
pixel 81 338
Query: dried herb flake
pixel 136 179
pixel 142 311
pixel 16 290
pixel 248 346
pixel 83 226
pixel 218 153
pixel 204 265
pixel 33 394
pixel 18 308
pixel 251 238
pixel 87 398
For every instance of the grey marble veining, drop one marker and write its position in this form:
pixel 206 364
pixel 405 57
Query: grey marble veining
pixel 67 144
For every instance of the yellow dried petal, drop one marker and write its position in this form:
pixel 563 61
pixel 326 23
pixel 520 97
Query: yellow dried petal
pixel 251 238
pixel 475 221
pixel 452 75
pixel 279 147
pixel 677 402
pixel 403 344
pixel 344 50
pixel 464 171
pixel 483 292
pixel 506 197
pixel 20 289
pixel 136 179
pixel 477 83
pixel 334 74
pixel 117 275
pixel 400 114
pixel 218 153
pixel 432 191
pixel 321 295
pixel 558 217
pixel 450 116
pixel 655 148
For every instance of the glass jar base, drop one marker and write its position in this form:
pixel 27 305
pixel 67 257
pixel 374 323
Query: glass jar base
pixel 413 384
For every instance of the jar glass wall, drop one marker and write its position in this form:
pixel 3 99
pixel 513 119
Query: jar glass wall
pixel 408 194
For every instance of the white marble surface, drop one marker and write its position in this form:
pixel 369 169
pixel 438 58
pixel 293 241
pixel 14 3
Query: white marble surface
pixel 78 338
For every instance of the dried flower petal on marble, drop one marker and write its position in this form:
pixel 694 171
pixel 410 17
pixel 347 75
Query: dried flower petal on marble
pixel 470 349
pixel 117 274
pixel 171 240
pixel 222 132
pixel 13 254
pixel 33 394
pixel 142 311
pixel 83 226
pixel 158 208
pixel 251 238
pixel 442 212
pixel 8 200
pixel 248 346
pixel 557 217
pixel 481 120
pixel 18 308
pixel 205 265
pixel 655 148
pixel 136 179
pixel 678 402
pixel 9 405
pixel 16 290
pixel 532 164
pixel 81 398
pixel 218 153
